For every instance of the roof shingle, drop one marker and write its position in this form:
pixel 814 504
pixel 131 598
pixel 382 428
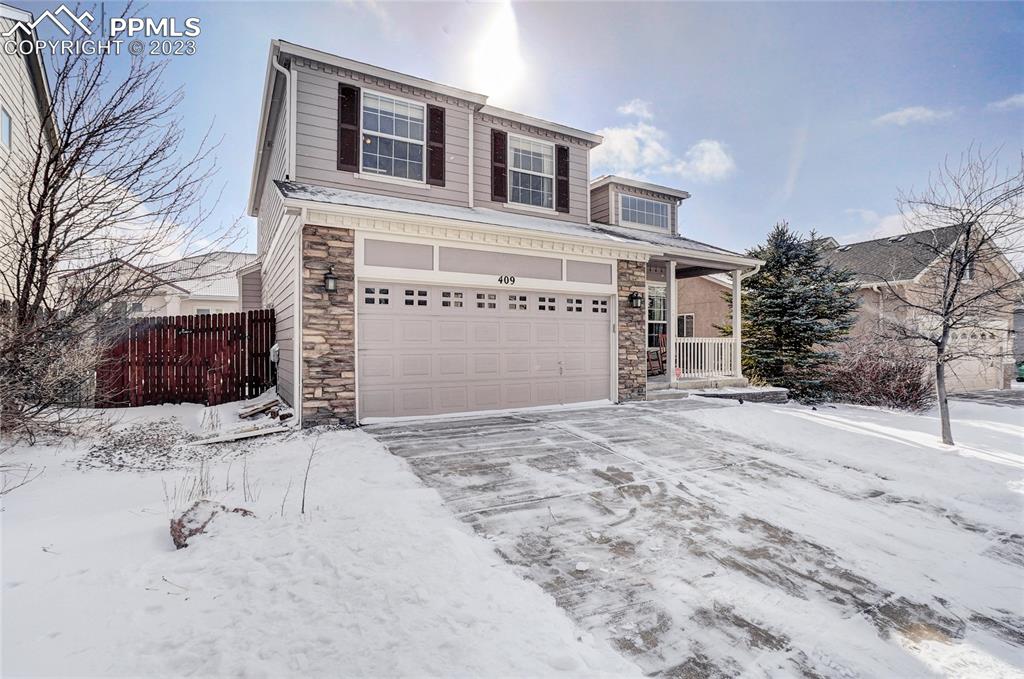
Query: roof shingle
pixel 894 258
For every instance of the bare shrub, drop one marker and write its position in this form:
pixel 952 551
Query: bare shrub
pixel 876 371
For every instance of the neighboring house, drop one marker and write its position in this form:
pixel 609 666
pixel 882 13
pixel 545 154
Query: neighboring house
pixel 24 101
pixel 906 263
pixel 702 306
pixel 202 284
pixel 426 252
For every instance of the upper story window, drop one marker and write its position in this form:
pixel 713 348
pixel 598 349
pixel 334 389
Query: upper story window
pixel 642 211
pixel 5 128
pixel 531 172
pixel 393 137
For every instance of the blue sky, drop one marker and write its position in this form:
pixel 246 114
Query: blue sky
pixel 813 113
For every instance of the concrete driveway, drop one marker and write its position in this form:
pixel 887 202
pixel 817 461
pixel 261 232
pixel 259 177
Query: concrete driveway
pixel 996 397
pixel 701 553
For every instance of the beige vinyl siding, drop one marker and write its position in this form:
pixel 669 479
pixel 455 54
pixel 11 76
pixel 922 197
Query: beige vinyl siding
pixel 271 205
pixel 250 291
pixel 579 167
pixel 277 252
pixel 599 205
pixel 280 269
pixel 316 160
pixel 17 97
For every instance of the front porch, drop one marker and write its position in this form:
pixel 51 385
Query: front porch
pixel 685 306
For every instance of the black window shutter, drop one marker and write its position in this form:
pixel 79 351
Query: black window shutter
pixel 562 178
pixel 435 145
pixel 348 128
pixel 499 166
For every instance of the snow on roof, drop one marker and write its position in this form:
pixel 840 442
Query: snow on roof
pixel 637 184
pixel 207 275
pixel 481 215
pixel 669 240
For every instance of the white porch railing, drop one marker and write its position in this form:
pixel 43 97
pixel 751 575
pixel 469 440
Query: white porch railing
pixel 698 357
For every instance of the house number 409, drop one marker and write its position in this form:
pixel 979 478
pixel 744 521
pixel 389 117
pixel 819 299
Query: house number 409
pixel 507 280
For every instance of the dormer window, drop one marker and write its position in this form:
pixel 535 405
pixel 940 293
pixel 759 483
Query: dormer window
pixel 393 137
pixel 531 175
pixel 643 212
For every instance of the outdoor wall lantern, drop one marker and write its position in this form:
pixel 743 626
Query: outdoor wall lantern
pixel 636 300
pixel 330 280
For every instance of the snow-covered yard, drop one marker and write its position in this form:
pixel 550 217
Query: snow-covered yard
pixel 375 579
pixel 703 539
pixel 696 538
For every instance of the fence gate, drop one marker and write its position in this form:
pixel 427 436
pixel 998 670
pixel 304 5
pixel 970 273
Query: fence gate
pixel 209 359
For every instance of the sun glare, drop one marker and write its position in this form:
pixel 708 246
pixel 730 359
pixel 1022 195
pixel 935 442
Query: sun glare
pixel 496 65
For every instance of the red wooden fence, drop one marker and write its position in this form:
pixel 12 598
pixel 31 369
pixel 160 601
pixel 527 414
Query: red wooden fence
pixel 207 359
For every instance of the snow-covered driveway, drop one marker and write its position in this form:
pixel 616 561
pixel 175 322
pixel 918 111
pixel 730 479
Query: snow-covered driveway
pixel 705 539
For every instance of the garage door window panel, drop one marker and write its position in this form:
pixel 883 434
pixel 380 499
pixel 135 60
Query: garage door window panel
pixel 418 298
pixel 376 296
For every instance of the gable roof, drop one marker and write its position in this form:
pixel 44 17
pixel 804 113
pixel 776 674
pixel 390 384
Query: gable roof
pixel 893 258
pixel 605 179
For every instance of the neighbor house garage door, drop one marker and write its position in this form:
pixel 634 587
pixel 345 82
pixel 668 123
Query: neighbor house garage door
pixel 424 350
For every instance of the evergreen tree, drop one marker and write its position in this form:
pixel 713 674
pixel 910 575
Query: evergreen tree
pixel 794 309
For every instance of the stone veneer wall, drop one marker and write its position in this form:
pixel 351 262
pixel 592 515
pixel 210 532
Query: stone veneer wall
pixel 328 327
pixel 632 325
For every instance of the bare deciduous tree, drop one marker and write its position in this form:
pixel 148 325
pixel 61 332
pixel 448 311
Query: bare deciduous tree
pixel 961 304
pixel 100 193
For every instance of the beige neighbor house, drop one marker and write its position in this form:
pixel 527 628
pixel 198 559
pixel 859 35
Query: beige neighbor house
pixel 24 99
pixel 201 284
pixel 427 253
pixel 907 263
pixel 702 307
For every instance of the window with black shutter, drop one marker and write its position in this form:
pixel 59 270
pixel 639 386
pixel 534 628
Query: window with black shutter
pixel 435 145
pixel 348 128
pixel 562 178
pixel 499 166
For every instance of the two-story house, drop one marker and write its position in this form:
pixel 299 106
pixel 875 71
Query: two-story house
pixel 897 278
pixel 428 253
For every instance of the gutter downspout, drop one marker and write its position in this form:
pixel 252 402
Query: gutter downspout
pixel 472 160
pixel 298 360
pixel 737 318
pixel 288 86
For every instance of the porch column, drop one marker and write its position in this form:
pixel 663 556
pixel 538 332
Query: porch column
pixel 673 312
pixel 737 323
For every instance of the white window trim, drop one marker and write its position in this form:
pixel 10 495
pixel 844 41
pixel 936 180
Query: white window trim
pixel 386 179
pixel 647 313
pixel 693 320
pixel 510 170
pixel 654 227
pixel 363 173
pixel 10 142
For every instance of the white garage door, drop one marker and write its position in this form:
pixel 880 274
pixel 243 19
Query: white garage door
pixel 425 350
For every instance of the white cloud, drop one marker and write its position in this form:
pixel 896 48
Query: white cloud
pixel 640 151
pixel 1009 104
pixel 638 108
pixel 912 114
pixel 873 225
